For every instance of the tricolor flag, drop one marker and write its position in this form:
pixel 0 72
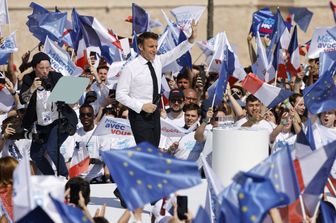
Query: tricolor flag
pixel 314 169
pixel 333 9
pixel 268 94
pixel 80 161
pixel 293 50
pixel 89 32
pixel 140 19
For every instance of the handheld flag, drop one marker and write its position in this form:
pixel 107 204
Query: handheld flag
pixel 268 94
pixel 37 213
pixel 257 196
pixel 140 19
pixel 302 16
pixel 320 96
pixel 144 174
pixel 69 214
pixel 80 161
pixel 293 50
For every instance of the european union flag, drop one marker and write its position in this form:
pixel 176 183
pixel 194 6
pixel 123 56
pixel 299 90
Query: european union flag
pixel 320 96
pixel 140 19
pixel 302 16
pixel 229 211
pixel 327 60
pixel 43 23
pixel 257 196
pixel 69 214
pixel 279 169
pixel 144 174
pixel 36 215
pixel 201 216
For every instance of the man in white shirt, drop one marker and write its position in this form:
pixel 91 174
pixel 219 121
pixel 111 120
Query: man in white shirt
pixel 254 118
pixel 139 85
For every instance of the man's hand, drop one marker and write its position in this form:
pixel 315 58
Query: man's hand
pixel 25 57
pixel 149 108
pixel 193 32
pixel 8 131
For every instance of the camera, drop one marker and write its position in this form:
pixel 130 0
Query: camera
pixel 46 83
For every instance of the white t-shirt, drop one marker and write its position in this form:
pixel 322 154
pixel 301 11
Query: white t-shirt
pixel 282 139
pixel 189 148
pixel 81 139
pixel 177 121
pixel 262 124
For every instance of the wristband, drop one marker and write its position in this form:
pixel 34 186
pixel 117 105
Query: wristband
pixel 14 93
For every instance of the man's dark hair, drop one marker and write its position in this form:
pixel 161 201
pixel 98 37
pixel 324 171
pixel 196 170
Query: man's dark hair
pixel 147 35
pixel 103 66
pixel 84 187
pixel 86 105
pixel 192 107
pixel 184 75
pixel 293 98
pixel 251 98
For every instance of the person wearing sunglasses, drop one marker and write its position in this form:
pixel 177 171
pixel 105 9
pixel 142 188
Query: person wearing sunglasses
pixel 84 142
pixel 176 102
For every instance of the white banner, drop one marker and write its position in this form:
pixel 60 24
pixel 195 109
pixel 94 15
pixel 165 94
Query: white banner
pixel 170 130
pixel 113 126
pixel 185 14
pixel 60 60
pixel 322 41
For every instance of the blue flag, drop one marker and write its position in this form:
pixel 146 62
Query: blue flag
pixel 201 216
pixel 328 212
pixel 135 43
pixel 257 196
pixel 326 61
pixel 43 23
pixel 140 19
pixel 320 96
pixel 37 213
pixel 302 16
pixel 6 48
pixel 229 211
pixel 185 60
pixel 144 174
pixel 310 134
pixel 69 214
pixel 263 21
pixel 279 168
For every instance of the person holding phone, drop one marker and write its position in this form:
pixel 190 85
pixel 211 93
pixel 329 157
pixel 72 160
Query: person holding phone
pixel 139 85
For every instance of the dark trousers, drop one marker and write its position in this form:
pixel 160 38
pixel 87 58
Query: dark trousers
pixel 146 127
pixel 37 150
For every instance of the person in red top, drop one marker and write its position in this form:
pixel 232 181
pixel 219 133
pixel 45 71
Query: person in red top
pixel 7 166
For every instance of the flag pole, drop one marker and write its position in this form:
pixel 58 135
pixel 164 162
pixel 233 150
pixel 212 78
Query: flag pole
pixel 198 57
pixel 213 101
pixel 303 209
pixel 313 219
pixel 34 47
pixel 331 186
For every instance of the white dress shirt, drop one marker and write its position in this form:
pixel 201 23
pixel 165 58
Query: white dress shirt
pixel 135 85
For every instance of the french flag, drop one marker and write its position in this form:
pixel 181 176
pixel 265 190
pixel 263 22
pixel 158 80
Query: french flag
pixel 89 32
pixel 314 169
pixel 294 52
pixel 268 94
pixel 80 161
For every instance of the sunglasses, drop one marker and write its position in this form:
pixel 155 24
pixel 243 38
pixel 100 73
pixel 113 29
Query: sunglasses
pixel 176 100
pixel 82 115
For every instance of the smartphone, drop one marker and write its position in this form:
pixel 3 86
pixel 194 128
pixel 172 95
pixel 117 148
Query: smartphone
pixel 74 193
pixel 182 207
pixel 2 80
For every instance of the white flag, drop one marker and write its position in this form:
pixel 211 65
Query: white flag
pixel 4 15
pixel 22 191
